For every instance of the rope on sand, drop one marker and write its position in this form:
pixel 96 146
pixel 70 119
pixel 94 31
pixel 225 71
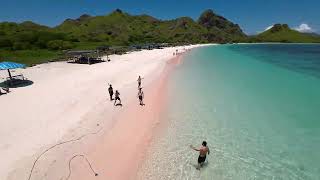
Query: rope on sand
pixel 84 157
pixel 56 145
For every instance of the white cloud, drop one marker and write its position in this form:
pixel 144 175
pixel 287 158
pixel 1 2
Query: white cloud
pixel 266 29
pixel 304 28
pixel 269 27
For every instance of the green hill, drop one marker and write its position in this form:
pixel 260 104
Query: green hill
pixel 119 28
pixel 282 33
pixel 115 29
pixel 31 43
pixel 219 28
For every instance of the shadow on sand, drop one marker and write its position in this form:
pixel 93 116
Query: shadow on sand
pixel 85 61
pixel 118 104
pixel 16 83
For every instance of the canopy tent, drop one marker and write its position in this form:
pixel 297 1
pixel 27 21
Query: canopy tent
pixel 10 65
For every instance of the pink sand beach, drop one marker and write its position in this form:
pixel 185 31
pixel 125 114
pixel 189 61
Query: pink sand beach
pixel 68 105
pixel 119 153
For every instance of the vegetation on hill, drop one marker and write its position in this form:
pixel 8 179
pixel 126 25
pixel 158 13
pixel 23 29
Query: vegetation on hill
pixel 119 28
pixel 220 29
pixel 19 41
pixel 116 29
pixel 30 57
pixel 282 33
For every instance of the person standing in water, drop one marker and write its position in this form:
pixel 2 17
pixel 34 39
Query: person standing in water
pixel 110 89
pixel 139 81
pixel 116 97
pixel 141 96
pixel 203 151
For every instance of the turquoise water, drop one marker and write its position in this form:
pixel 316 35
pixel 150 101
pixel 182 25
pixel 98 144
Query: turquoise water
pixel 257 106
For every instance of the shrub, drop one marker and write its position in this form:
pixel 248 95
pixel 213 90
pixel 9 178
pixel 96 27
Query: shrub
pixel 21 45
pixel 5 42
pixel 29 37
pixel 59 45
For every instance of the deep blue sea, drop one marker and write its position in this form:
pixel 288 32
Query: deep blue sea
pixel 257 106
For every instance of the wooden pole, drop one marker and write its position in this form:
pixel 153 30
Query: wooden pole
pixel 9 74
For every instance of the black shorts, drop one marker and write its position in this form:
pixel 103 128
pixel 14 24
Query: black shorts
pixel 140 97
pixel 118 98
pixel 201 159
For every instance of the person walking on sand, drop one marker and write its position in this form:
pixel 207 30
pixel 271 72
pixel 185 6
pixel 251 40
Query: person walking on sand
pixel 110 89
pixel 116 97
pixel 139 81
pixel 203 151
pixel 141 96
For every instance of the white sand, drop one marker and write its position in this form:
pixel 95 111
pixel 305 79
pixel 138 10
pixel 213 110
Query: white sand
pixel 64 101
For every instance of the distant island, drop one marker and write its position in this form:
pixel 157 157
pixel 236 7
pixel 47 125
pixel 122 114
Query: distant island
pixel 282 33
pixel 31 43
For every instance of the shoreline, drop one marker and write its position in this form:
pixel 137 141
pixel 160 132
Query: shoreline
pixel 277 43
pixel 132 135
pixel 65 102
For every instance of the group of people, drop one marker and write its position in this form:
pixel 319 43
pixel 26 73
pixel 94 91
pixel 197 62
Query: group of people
pixel 117 94
pixel 203 150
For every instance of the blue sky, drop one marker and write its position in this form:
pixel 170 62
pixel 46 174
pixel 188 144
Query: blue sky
pixel 252 15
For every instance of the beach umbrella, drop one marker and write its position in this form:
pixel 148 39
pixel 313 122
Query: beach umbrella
pixel 10 65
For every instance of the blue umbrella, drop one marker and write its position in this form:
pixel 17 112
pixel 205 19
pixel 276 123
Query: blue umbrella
pixel 10 65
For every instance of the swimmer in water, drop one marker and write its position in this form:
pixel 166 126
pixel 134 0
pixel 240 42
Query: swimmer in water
pixel 203 151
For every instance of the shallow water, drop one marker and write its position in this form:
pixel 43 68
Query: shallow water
pixel 257 106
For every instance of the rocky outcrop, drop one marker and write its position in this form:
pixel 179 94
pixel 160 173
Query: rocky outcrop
pixel 210 20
